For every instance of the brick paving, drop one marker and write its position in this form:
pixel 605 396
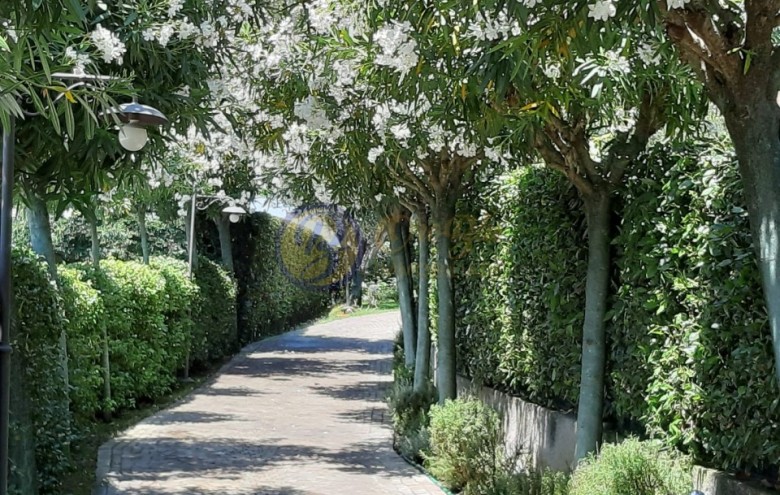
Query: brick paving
pixel 299 414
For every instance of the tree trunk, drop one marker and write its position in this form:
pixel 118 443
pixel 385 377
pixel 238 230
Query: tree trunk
pixel 40 232
pixel 423 363
pixel 757 143
pixel 591 400
pixel 356 288
pixel 225 243
pixel 93 232
pixel 399 259
pixel 445 346
pixel 106 376
pixel 144 234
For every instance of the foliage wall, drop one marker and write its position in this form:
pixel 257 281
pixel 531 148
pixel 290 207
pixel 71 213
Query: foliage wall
pixel 149 313
pixel 269 302
pixel 690 358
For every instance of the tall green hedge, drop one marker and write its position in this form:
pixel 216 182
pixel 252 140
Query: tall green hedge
pixel 40 418
pixel 149 313
pixel 215 334
pixel 690 358
pixel 268 301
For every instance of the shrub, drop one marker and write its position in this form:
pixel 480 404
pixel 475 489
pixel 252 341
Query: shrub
pixel 215 335
pixel 410 412
pixel 40 418
pixel 83 308
pixel 465 444
pixel 532 483
pixel 632 468
pixel 145 353
pixel 685 321
pixel 270 302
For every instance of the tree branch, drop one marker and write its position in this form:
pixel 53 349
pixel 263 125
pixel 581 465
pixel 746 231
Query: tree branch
pixel 555 160
pixel 627 148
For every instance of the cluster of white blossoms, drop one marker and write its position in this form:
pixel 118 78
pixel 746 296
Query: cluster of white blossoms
pixel 108 45
pixel 603 10
pixel 79 60
pixel 398 49
pixel 486 29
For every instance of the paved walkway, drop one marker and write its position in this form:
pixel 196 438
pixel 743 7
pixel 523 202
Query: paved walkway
pixel 299 414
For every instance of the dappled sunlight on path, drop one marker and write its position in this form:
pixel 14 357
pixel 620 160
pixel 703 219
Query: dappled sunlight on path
pixel 299 414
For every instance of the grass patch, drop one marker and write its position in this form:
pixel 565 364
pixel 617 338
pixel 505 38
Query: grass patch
pixel 339 312
pixel 81 480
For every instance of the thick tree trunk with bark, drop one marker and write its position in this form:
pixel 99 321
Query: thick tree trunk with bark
pixel 225 242
pixel 40 232
pixel 594 346
pixel 445 345
pixel 398 255
pixel 755 132
pixel 423 362
pixel 144 234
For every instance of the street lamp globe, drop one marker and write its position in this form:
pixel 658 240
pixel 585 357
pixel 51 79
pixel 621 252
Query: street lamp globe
pixel 234 213
pixel 132 137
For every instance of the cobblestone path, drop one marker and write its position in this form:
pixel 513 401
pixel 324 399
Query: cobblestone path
pixel 299 414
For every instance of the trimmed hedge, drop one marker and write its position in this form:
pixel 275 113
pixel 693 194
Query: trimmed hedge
pixel 40 419
pixel 690 357
pixel 215 335
pixel 147 312
pixel 269 302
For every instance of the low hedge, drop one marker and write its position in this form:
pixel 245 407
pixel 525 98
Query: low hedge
pixel 690 356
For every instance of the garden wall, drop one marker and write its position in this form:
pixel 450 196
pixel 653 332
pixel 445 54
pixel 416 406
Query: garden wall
pixel 690 357
pixel 546 439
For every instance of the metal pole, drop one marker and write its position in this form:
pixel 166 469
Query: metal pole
pixel 193 211
pixel 6 208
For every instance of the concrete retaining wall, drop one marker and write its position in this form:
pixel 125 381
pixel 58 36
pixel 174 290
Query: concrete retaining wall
pixel 546 439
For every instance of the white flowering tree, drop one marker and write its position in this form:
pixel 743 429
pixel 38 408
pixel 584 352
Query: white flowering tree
pixel 585 96
pixel 376 90
pixel 173 53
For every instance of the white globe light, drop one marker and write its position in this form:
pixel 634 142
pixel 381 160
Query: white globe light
pixel 132 137
pixel 234 217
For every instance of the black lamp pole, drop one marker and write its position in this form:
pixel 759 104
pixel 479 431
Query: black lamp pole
pixel 6 208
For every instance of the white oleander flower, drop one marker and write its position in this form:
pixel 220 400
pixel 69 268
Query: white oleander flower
pixel 108 44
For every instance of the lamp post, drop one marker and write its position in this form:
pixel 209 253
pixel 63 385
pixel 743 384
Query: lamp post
pixel 234 214
pixel 131 114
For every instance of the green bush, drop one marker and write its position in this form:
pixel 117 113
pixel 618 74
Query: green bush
pixel 145 352
pixel 40 418
pixel 686 318
pixel 632 468
pixel 533 483
pixel 215 335
pixel 410 412
pixel 466 446
pixel 83 309
pixel 270 302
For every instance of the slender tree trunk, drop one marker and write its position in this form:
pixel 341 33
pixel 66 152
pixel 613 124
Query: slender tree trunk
pixel 225 243
pixel 93 232
pixel 757 143
pixel 106 376
pixel 445 345
pixel 423 363
pixel 144 233
pixel 399 259
pixel 40 232
pixel 591 401
pixel 41 240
